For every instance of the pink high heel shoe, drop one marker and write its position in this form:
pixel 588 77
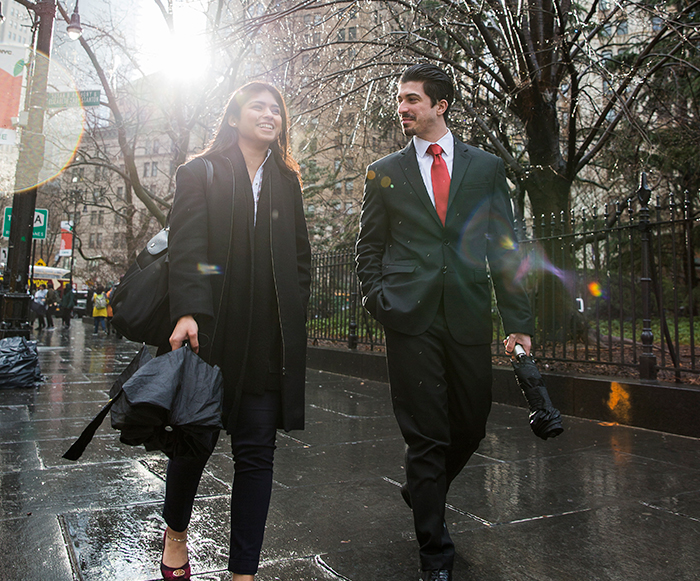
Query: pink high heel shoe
pixel 178 574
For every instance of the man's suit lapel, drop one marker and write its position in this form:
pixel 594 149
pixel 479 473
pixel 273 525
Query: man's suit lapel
pixel 409 165
pixel 462 159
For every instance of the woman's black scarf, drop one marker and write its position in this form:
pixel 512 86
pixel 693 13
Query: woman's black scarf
pixel 238 358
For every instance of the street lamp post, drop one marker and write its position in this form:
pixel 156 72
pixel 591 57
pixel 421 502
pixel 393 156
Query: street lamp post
pixel 15 299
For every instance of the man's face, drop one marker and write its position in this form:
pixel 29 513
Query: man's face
pixel 417 114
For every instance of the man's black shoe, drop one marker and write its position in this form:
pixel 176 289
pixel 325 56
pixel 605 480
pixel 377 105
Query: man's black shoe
pixel 405 495
pixel 437 575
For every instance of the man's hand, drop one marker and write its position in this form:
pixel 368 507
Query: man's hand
pixel 185 330
pixel 513 338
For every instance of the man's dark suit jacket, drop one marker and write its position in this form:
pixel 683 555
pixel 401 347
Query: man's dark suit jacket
pixel 408 262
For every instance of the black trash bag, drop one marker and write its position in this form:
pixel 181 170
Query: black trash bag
pixel 173 404
pixel 545 419
pixel 19 363
pixel 77 449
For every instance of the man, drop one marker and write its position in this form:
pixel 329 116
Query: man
pixel 431 218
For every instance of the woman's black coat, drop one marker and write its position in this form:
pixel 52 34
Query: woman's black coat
pixel 199 239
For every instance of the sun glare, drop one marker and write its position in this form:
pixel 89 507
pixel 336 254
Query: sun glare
pixel 183 54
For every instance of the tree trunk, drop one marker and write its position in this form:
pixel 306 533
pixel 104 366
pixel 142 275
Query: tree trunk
pixel 548 188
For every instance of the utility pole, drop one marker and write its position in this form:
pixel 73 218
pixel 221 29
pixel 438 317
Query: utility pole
pixel 16 299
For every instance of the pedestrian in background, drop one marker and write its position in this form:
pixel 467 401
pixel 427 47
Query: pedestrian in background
pixel 50 304
pixel 243 311
pixel 99 309
pixel 110 313
pixel 436 229
pixel 39 306
pixel 67 304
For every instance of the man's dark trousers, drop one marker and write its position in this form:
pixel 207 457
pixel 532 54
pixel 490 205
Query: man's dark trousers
pixel 441 393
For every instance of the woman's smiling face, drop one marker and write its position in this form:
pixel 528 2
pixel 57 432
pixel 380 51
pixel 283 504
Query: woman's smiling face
pixel 260 121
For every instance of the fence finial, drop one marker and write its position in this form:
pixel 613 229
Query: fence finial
pixel 643 193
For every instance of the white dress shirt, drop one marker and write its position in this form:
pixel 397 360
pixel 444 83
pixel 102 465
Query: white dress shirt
pixel 257 185
pixel 425 159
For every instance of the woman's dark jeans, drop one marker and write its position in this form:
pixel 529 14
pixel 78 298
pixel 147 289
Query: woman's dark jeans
pixel 253 446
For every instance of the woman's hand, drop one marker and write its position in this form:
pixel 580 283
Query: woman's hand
pixel 185 330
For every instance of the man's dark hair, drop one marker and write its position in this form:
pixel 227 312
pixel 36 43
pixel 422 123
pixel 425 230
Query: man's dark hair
pixel 436 83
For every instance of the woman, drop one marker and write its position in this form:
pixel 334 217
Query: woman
pixel 99 309
pixel 242 310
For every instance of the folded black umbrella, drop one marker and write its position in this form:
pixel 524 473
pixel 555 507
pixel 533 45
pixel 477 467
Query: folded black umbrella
pixel 171 403
pixel 545 419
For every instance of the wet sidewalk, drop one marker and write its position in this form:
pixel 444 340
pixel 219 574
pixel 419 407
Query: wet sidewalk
pixel 601 502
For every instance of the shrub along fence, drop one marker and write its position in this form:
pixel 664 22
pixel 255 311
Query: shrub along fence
pixel 617 288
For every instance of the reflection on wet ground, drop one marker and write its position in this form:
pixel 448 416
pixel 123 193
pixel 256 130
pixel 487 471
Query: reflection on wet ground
pixel 599 502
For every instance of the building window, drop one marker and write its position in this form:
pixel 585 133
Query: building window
pixel 93 218
pixel 349 187
pixel 98 240
pixel 116 238
pixel 656 23
pixel 146 169
pixel 120 192
pixel 352 33
pixel 341 34
pixel 623 28
pixel 154 169
pixel 91 241
pixel 101 218
pixel 156 146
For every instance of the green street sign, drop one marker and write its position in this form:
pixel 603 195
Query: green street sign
pixel 66 99
pixel 41 220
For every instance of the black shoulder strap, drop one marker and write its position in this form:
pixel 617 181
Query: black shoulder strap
pixel 209 169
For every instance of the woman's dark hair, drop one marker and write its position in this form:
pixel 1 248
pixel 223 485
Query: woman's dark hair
pixel 436 83
pixel 226 136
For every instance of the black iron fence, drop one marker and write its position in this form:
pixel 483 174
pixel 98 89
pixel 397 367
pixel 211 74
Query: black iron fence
pixel 615 288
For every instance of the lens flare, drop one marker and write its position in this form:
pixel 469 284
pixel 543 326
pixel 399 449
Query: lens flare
pixel 595 289
pixel 209 269
pixel 63 128
pixel 537 261
pixel 507 243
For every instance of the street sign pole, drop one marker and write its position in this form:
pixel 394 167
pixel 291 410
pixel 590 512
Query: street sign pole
pixel 15 299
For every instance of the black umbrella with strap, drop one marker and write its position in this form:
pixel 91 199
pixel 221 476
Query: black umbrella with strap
pixel 170 403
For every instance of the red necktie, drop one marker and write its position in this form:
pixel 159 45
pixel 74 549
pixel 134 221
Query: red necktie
pixel 440 177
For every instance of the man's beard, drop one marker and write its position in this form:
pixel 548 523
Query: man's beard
pixel 407 131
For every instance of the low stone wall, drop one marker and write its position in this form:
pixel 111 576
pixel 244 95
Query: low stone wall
pixel 664 407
